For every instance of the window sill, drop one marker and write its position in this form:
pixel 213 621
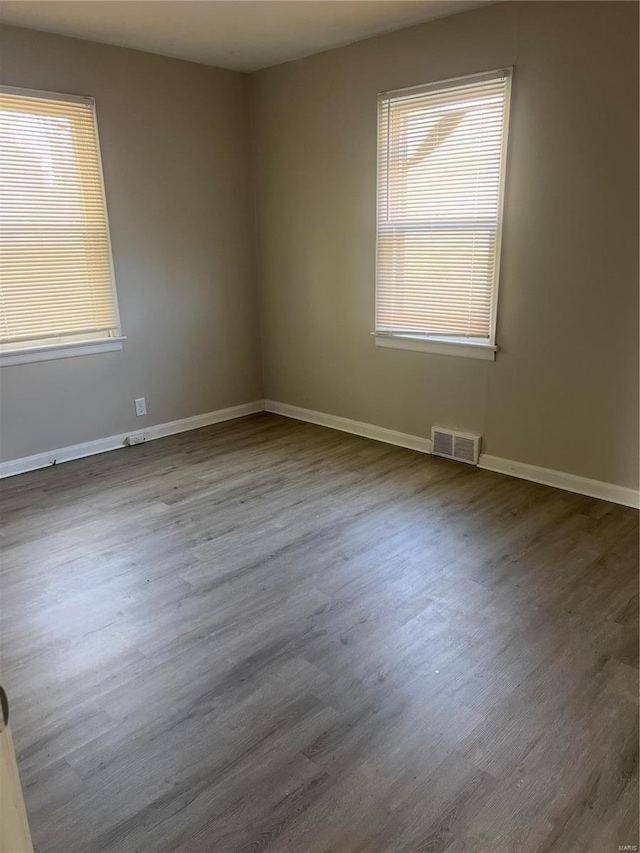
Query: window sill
pixel 441 346
pixel 60 350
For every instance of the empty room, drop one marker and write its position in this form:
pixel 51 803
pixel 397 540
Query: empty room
pixel 319 426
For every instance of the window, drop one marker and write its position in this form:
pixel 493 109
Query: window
pixel 441 162
pixel 57 294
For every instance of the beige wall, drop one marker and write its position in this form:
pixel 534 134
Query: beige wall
pixel 175 150
pixel 175 136
pixel 563 392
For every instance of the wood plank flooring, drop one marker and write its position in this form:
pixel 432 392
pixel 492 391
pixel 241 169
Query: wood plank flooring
pixel 270 636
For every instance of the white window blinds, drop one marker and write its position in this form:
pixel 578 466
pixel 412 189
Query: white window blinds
pixel 441 157
pixel 56 280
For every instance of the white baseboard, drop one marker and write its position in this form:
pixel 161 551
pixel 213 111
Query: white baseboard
pixel 562 480
pixel 389 436
pixel 546 476
pixel 114 442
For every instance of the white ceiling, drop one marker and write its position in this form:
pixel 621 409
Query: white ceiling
pixel 241 34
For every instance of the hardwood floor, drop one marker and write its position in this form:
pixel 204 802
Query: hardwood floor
pixel 270 636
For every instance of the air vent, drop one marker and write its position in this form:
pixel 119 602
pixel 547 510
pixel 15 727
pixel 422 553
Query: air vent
pixel 455 445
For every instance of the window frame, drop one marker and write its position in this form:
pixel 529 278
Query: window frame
pixel 477 348
pixel 65 346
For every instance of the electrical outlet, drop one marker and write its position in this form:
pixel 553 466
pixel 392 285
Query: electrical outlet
pixel 141 407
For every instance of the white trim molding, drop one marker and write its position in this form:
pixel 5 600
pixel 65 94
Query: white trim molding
pixel 389 436
pixel 545 476
pixel 66 349
pixel 115 442
pixel 562 480
pixel 439 346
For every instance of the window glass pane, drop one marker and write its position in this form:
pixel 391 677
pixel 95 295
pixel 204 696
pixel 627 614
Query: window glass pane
pixel 55 265
pixel 441 156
